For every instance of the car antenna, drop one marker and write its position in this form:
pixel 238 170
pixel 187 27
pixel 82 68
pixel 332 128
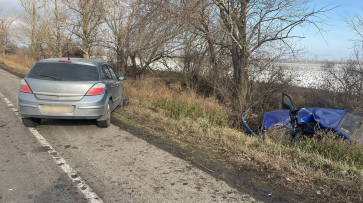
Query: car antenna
pixel 68 50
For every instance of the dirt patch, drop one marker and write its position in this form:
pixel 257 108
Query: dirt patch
pixel 41 149
pixel 246 180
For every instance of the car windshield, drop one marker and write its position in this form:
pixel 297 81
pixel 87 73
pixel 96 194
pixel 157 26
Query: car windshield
pixel 64 72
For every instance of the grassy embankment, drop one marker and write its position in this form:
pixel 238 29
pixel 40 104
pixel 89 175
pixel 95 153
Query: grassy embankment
pixel 318 170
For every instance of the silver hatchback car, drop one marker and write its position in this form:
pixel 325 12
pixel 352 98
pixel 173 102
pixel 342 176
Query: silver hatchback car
pixel 70 89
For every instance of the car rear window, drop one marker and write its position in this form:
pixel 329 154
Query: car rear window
pixel 64 72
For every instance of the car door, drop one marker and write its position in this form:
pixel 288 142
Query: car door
pixel 118 86
pixel 287 102
pixel 109 81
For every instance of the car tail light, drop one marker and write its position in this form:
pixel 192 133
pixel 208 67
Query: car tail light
pixel 24 87
pixel 97 89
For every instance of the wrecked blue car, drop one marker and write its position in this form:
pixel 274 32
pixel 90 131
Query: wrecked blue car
pixel 306 121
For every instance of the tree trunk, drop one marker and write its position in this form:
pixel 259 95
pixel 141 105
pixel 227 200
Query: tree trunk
pixel 85 30
pixel 121 61
pixel 2 36
pixel 33 27
pixel 120 52
pixel 134 65
pixel 58 35
pixel 85 46
pixel 240 57
pixel 213 62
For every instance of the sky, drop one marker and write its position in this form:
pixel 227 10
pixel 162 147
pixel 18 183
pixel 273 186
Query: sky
pixel 337 40
pixel 10 4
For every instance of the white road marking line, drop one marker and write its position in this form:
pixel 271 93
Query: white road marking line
pixel 72 174
pixel 8 102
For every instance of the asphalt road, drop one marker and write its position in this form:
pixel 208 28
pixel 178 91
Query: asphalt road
pixel 116 165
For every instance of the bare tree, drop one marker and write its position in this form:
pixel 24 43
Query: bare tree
pixel 253 26
pixel 201 15
pixel 117 14
pixel 84 20
pixel 141 32
pixel 347 77
pixel 31 21
pixel 344 78
pixel 6 20
pixel 59 20
pixel 355 22
pixel 153 32
pixel 42 27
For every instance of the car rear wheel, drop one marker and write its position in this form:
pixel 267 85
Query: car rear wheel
pixel 107 117
pixel 31 122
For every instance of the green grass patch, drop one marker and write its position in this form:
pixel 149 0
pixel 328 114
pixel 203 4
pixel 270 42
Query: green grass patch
pixel 179 109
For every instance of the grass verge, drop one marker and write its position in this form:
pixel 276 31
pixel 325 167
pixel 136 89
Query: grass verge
pixel 18 64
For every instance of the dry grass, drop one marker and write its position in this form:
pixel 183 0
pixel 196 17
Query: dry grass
pixel 19 64
pixel 312 167
pixel 152 93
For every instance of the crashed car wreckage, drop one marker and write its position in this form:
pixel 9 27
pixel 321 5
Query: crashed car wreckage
pixel 305 121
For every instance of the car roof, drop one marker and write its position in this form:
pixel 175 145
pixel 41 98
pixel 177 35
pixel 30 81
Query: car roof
pixel 92 62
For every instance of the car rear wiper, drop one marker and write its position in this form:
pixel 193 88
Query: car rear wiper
pixel 51 76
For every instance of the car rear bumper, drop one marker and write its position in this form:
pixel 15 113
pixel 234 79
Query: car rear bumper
pixel 89 107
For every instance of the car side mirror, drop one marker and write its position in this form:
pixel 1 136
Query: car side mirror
pixel 122 78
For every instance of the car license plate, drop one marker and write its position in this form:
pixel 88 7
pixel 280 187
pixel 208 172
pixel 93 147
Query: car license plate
pixel 52 109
